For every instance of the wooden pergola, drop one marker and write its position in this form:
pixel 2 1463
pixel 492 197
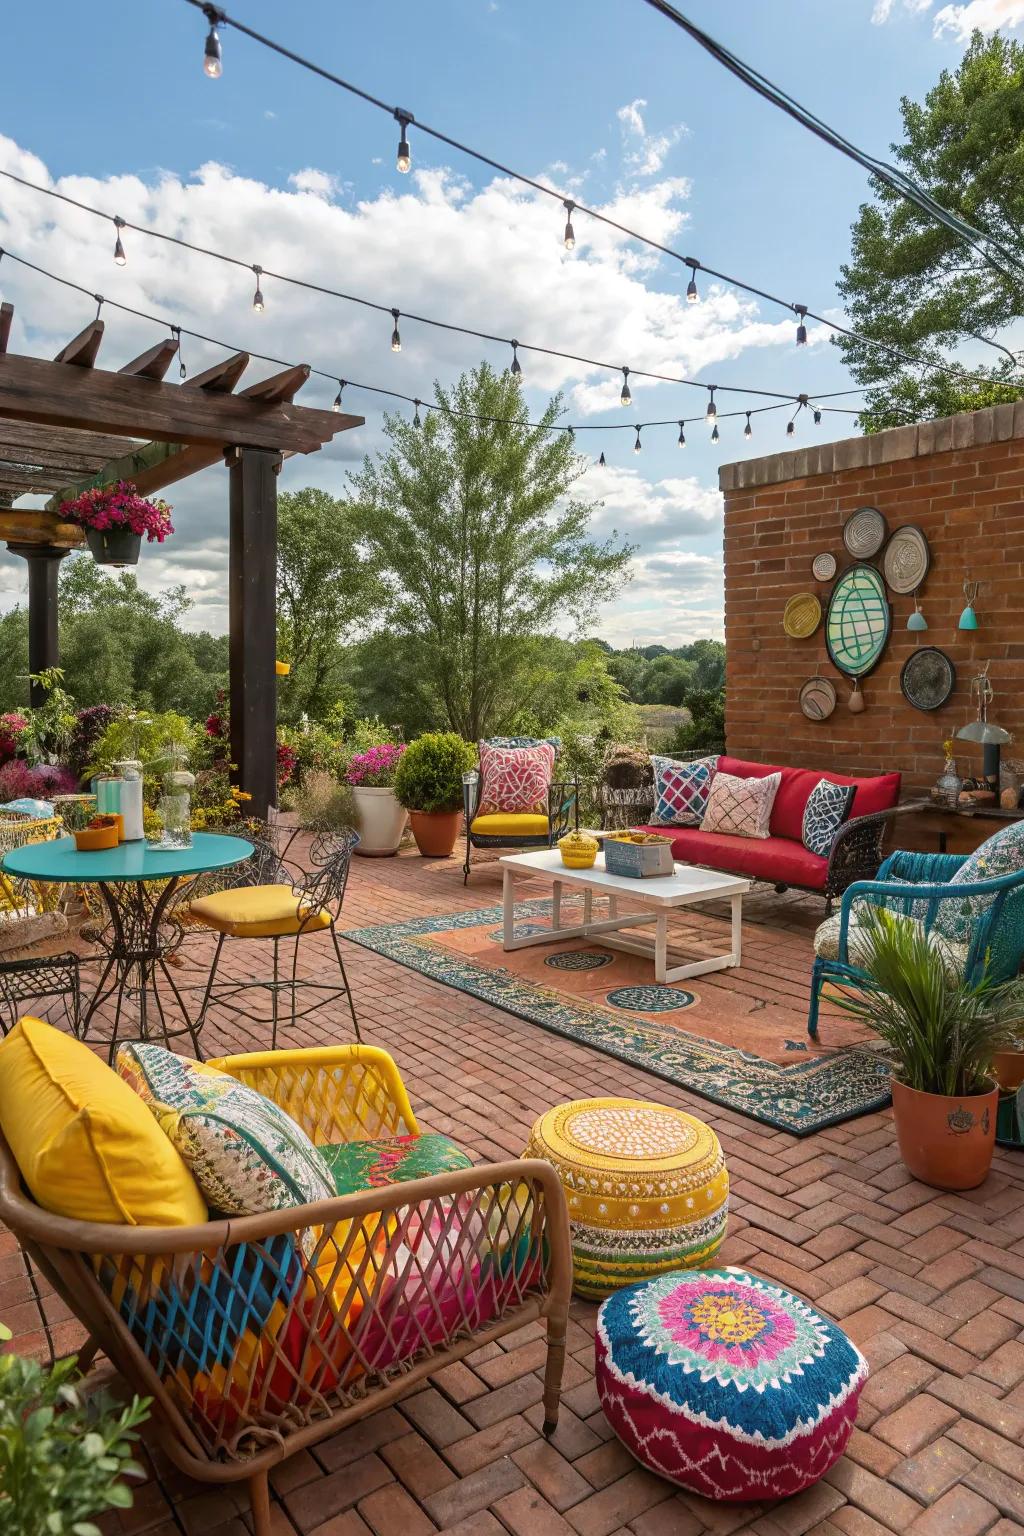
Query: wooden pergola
pixel 66 425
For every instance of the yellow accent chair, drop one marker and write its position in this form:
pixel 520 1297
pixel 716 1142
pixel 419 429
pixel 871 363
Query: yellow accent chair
pixel 518 830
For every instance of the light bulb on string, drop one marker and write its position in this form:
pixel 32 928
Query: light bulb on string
pixel 817 417
pixel 637 444
pixel 602 460
pixel 337 399
pixel 681 439
pixel 748 430
pixel 712 410
pixel 396 340
pixel 211 51
pixel 176 335
pixel 692 296
pixel 416 421
pixel 119 255
pixel 569 238
pixel 515 367
pixel 257 298
pixel 714 433
pixel 791 427
pixel 801 330
pixel 403 160
pixel 625 398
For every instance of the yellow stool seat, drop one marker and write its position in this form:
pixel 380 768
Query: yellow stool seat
pixel 256 912
pixel 646 1185
pixel 510 824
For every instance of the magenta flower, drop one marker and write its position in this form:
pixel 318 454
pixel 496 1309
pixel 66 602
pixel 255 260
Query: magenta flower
pixel 374 769
pixel 120 506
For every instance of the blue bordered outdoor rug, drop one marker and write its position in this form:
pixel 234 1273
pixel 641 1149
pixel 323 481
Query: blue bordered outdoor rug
pixel 801 1097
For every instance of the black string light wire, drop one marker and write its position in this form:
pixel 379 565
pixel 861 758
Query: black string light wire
pixel 804 312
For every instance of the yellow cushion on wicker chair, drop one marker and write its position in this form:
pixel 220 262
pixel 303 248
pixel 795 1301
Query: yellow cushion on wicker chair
pixel 510 824
pixel 257 912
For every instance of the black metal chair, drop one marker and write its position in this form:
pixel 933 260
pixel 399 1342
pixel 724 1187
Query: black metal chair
pixel 498 830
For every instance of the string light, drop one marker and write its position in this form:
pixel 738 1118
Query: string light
pixel 801 330
pixel 570 236
pixel 681 439
pixel 817 417
pixel 636 445
pixel 516 367
pixel 712 410
pixel 337 399
pixel 176 333
pixel 714 434
pixel 625 397
pixel 416 417
pixel 211 52
pixel 791 427
pixel 403 161
pixel 692 296
pixel 119 255
pixel 748 430
pixel 257 298
pixel 396 340
pixel 602 461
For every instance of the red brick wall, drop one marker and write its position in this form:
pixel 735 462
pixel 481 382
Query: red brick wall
pixel 969 502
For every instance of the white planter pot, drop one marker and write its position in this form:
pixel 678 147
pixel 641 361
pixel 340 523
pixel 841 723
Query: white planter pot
pixel 380 822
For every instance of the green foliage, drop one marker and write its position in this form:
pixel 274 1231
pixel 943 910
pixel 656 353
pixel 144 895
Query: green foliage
pixel 429 776
pixel 324 802
pixel 666 681
pixel 481 545
pixel 62 1458
pixel 910 281
pixel 47 737
pixel 655 675
pixel 941 1030
pixel 317 748
pixel 149 739
pixel 705 731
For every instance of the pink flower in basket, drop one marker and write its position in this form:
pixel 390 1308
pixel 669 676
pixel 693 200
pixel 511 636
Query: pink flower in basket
pixel 120 506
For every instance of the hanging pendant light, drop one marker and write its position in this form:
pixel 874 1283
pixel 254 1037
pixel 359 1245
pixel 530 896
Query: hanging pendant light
pixel 625 398
pixel 917 620
pixel 969 619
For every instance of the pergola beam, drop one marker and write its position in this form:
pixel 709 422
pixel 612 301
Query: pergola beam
pixel 154 362
pixel 222 377
pixel 83 350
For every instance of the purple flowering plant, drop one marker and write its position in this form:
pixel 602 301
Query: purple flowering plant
pixel 376 768
pixel 120 506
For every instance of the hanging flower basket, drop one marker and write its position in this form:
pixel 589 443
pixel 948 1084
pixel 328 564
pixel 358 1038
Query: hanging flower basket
pixel 115 519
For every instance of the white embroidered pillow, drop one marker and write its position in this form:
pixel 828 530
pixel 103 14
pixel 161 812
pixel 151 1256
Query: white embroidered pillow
pixel 741 807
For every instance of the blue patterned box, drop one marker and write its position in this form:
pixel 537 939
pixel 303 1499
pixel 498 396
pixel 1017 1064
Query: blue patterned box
pixel 638 861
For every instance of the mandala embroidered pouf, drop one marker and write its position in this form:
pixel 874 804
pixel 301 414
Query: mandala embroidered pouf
pixel 646 1185
pixel 726 1385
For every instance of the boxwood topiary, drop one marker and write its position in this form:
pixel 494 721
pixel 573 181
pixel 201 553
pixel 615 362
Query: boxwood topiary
pixel 429 775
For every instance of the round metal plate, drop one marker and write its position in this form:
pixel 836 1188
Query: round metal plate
pixel 859 620
pixel 864 532
pixel 802 616
pixel 823 566
pixel 927 678
pixel 906 559
pixel 817 698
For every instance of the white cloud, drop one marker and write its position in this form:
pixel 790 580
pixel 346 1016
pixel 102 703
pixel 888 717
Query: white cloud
pixel 984 15
pixel 881 13
pixel 646 151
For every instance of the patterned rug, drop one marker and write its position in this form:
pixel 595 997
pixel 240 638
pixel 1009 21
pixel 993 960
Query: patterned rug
pixel 722 1041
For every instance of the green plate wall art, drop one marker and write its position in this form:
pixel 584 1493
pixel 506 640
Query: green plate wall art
pixel 859 621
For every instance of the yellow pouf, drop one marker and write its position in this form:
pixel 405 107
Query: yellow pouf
pixel 647 1188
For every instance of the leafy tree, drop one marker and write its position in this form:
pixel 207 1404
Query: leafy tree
pixel 666 681
pixel 913 283
pixel 705 731
pixel 325 590
pixel 707 658
pixel 481 545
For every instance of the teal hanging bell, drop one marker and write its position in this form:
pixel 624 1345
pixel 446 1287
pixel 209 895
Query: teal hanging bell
pixel 969 619
pixel 917 620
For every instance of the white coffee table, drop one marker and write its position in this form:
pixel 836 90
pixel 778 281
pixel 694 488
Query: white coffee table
pixel 659 896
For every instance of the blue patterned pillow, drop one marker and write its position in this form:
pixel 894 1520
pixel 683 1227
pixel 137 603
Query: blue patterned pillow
pixel 1001 854
pixel 681 791
pixel 827 807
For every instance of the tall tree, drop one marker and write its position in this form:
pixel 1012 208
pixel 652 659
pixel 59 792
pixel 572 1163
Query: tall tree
pixel 325 590
pixel 481 544
pixel 914 284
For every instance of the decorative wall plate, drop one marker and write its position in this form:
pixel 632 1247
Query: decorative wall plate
pixel 859 620
pixel 823 566
pixel 906 559
pixel 802 616
pixel 927 678
pixel 864 533
pixel 817 698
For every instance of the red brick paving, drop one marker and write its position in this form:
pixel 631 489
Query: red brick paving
pixel 931 1286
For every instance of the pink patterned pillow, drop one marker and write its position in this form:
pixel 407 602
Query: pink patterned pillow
pixel 742 807
pixel 515 779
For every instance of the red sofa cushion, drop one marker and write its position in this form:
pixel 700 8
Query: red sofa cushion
pixel 778 859
pixel 880 793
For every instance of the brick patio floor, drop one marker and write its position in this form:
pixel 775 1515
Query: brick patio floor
pixel 930 1285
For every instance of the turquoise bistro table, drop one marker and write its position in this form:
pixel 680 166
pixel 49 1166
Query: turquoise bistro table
pixel 137 883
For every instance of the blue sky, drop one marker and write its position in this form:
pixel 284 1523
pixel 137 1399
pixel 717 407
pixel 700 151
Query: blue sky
pixel 604 98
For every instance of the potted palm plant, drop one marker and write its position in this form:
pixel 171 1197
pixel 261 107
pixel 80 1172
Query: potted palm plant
pixel 429 784
pixel 942 1033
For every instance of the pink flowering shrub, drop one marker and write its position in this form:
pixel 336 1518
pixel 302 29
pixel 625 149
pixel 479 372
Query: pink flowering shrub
pixel 376 768
pixel 120 507
pixel 11 727
pixel 20 781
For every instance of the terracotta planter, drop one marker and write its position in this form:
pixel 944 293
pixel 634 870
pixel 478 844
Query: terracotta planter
pixel 1008 1070
pixel 435 832
pixel 380 822
pixel 945 1142
pixel 114 546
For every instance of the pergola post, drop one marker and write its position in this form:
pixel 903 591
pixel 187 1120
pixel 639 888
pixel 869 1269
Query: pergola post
pixel 43 639
pixel 252 622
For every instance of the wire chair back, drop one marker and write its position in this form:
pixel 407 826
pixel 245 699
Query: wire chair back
pixel 323 886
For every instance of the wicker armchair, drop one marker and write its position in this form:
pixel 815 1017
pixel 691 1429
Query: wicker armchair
pixel 916 885
pixel 259 1336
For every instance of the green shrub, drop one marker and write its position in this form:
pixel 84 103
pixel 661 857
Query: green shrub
pixel 324 802
pixel 429 775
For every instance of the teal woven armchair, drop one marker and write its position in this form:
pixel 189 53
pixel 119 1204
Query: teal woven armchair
pixel 917 885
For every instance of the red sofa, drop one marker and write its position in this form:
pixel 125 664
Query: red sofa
pixel 781 858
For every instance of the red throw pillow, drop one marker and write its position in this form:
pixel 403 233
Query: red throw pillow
pixel 515 779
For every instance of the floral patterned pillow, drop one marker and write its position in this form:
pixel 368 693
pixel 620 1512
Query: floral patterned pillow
pixel 741 807
pixel 246 1154
pixel 1001 854
pixel 515 779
